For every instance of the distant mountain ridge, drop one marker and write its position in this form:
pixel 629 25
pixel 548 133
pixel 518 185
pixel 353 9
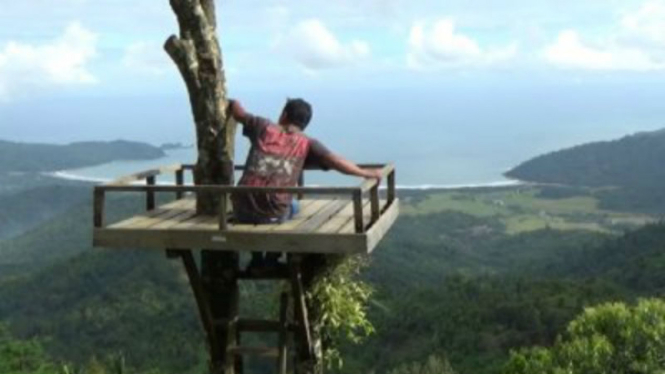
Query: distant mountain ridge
pixel 35 157
pixel 634 161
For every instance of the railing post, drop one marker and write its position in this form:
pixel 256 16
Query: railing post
pixel 358 211
pixel 98 206
pixel 301 183
pixel 150 195
pixel 179 181
pixel 374 202
pixel 391 187
pixel 223 225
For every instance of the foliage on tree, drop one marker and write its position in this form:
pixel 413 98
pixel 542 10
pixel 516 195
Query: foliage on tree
pixel 22 357
pixel 610 338
pixel 340 299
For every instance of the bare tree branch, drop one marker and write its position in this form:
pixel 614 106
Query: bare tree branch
pixel 209 9
pixel 184 56
pixel 178 9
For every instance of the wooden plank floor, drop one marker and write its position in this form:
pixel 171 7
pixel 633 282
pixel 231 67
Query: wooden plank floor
pixel 323 225
pixel 328 216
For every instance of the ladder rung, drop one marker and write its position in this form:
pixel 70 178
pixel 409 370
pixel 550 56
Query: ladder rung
pixel 255 325
pixel 225 322
pixel 255 351
pixel 274 272
pixel 258 325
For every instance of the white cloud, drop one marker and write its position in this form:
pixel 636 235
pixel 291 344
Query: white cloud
pixel 145 57
pixel 63 61
pixel 569 51
pixel 440 45
pixel 636 44
pixel 315 47
pixel 646 24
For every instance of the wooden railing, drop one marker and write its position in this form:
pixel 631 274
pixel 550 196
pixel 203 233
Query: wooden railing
pixel 369 188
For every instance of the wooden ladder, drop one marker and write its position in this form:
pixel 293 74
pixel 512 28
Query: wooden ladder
pixel 280 327
pixel 232 352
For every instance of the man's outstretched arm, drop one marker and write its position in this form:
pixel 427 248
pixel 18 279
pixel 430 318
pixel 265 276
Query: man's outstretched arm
pixel 349 168
pixel 252 125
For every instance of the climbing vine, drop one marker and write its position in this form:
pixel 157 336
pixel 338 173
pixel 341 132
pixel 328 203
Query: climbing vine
pixel 341 299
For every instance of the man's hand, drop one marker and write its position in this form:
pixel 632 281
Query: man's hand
pixel 373 174
pixel 235 109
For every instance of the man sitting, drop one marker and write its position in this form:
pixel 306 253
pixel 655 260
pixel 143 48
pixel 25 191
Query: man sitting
pixel 276 158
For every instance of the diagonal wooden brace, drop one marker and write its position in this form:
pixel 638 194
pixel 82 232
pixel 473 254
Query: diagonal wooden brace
pixel 303 328
pixel 201 298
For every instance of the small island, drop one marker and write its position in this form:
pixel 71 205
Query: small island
pixel 175 146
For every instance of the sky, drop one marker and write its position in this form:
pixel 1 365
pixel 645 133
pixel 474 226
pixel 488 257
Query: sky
pixel 54 47
pixel 80 60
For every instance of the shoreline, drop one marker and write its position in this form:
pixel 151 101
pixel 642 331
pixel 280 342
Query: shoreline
pixel 63 174
pixel 73 177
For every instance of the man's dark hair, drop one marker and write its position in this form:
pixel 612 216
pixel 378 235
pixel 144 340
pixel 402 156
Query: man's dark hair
pixel 298 112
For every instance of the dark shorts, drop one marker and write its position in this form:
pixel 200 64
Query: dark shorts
pixel 293 211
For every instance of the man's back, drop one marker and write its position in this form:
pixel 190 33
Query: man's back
pixel 275 159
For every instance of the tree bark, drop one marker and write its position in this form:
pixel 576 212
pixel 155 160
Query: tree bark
pixel 198 56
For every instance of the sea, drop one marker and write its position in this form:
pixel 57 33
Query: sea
pixel 446 137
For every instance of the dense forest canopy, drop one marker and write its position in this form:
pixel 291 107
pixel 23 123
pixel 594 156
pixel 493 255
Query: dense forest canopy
pixel 446 293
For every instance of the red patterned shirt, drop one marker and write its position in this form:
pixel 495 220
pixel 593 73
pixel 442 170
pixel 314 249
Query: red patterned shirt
pixel 276 159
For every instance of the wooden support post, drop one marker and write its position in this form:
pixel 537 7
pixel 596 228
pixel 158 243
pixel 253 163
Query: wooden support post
pixel 179 181
pixel 220 281
pixel 301 183
pixel 374 203
pixel 283 334
pixel 98 207
pixel 358 211
pixel 391 187
pixel 238 360
pixel 223 224
pixel 150 195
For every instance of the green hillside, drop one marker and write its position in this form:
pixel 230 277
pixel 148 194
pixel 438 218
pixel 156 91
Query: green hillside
pixel 463 278
pixel 27 209
pixel 447 283
pixel 32 157
pixel 632 161
pixel 624 174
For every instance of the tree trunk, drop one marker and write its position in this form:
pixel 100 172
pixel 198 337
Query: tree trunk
pixel 198 56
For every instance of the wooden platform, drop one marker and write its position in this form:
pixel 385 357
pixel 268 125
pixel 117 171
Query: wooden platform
pixel 343 223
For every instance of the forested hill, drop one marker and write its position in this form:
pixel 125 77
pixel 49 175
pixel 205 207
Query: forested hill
pixel 30 157
pixel 634 161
